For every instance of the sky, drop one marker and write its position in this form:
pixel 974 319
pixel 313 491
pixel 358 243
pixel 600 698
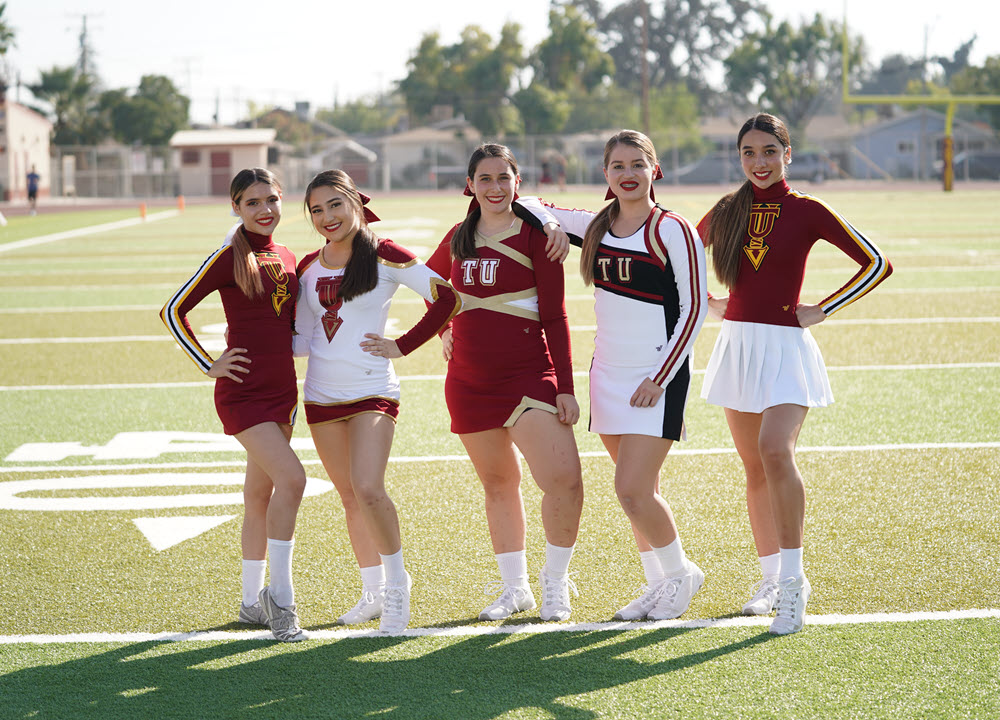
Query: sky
pixel 223 55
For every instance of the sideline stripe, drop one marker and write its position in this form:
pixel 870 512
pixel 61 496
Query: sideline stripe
pixel 573 328
pixel 987 445
pixel 526 629
pixel 79 232
pixel 440 378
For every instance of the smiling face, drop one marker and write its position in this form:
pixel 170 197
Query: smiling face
pixel 259 208
pixel 629 172
pixel 333 214
pixel 763 158
pixel 494 184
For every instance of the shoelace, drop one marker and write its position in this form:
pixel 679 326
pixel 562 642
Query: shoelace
pixel 762 587
pixel 393 603
pixel 786 602
pixel 367 598
pixel 559 589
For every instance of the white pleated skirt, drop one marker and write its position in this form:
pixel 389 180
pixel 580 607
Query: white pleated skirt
pixel 756 366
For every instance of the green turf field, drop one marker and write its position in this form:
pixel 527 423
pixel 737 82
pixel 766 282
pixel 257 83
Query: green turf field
pixel 109 444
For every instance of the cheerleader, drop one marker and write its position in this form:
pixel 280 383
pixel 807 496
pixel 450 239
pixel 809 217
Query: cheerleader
pixel 351 390
pixel 255 389
pixel 647 265
pixel 766 370
pixel 509 385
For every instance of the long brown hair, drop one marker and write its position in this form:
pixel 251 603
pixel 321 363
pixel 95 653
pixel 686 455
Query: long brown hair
pixel 245 268
pixel 463 242
pixel 603 221
pixel 730 217
pixel 361 271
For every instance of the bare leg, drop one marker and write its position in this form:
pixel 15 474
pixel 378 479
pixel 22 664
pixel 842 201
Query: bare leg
pixel 499 469
pixel 370 437
pixel 779 431
pixel 745 428
pixel 267 447
pixel 636 481
pixel 550 451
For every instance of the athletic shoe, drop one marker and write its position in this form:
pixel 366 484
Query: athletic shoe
pixel 555 596
pixel 793 594
pixel 396 607
pixel 252 614
pixel 283 620
pixel 765 597
pixel 512 600
pixel 368 608
pixel 675 593
pixel 639 608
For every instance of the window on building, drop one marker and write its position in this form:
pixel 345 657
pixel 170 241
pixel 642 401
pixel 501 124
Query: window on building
pixel 190 157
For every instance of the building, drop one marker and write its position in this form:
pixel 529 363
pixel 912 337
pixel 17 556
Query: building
pixel 207 160
pixel 24 143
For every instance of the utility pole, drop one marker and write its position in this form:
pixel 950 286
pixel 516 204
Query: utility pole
pixel 644 10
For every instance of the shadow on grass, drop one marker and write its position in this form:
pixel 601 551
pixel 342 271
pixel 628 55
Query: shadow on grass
pixel 472 678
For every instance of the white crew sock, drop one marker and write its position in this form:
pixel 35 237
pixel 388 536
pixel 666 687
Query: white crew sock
pixel 671 558
pixel 770 565
pixel 513 568
pixel 395 572
pixel 253 580
pixel 373 578
pixel 791 562
pixel 557 560
pixel 651 568
pixel 279 553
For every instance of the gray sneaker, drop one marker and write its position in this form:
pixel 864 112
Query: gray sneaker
pixel 283 621
pixel 396 607
pixel 252 614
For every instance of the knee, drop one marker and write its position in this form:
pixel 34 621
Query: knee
pixel 367 492
pixel 775 452
pixel 293 485
pixel 630 496
pixel 499 486
pixel 256 499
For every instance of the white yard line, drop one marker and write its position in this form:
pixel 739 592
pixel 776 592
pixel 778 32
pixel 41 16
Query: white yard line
pixel 92 229
pixel 989 445
pixel 440 378
pixel 573 328
pixel 479 630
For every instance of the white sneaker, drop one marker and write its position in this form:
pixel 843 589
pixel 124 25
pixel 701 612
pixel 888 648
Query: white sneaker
pixel 555 596
pixel 283 621
pixel 512 600
pixel 675 593
pixel 639 608
pixel 368 608
pixel 396 607
pixel 765 597
pixel 793 594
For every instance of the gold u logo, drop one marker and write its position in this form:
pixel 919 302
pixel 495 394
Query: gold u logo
pixel 762 217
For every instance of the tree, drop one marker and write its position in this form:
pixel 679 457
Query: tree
pixel 149 117
pixel 367 117
pixel 473 77
pixel 570 56
pixel 790 71
pixel 7 35
pixel 73 100
pixel 543 110
pixel 983 80
pixel 687 39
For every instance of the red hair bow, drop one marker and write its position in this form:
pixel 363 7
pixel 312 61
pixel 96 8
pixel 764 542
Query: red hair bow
pixel 370 217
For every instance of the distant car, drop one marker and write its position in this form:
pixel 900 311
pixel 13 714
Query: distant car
pixel 973 165
pixel 810 165
pixel 717 167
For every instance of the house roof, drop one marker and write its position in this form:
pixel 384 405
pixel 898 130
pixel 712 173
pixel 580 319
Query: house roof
pixel 223 136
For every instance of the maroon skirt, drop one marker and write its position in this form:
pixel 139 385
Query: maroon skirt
pixel 268 393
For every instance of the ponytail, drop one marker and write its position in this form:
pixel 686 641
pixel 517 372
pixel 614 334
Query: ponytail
pixel 245 267
pixel 727 229
pixel 463 241
pixel 596 231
